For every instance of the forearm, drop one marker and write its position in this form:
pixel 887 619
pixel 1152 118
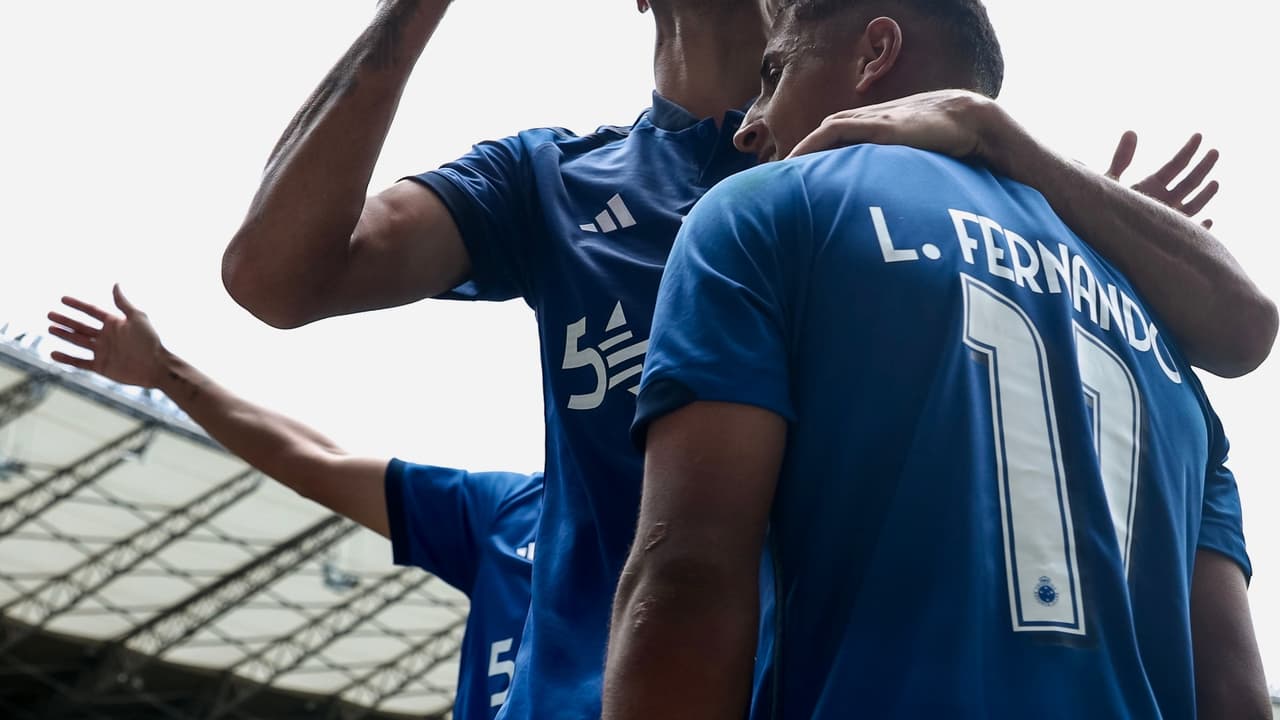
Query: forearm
pixel 1230 682
pixel 681 646
pixel 296 236
pixel 1221 320
pixel 263 438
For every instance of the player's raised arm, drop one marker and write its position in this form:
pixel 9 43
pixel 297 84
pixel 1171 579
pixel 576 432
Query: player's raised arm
pixel 312 245
pixel 127 349
pixel 1222 321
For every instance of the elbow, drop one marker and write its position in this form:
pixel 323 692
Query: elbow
pixel 1268 323
pixel 1253 336
pixel 680 586
pixel 248 286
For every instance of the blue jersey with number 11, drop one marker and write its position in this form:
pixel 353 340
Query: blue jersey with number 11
pixel 999 467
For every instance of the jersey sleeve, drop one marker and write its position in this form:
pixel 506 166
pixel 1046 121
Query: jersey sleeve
pixel 441 518
pixel 1221 521
pixel 720 327
pixel 491 194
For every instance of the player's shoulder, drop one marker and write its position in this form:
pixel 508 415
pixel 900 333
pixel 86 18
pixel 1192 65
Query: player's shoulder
pixel 762 190
pixel 498 485
pixel 841 167
pixel 566 141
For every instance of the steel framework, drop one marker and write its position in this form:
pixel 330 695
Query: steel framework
pixel 40 605
pixel 25 506
pixel 369 691
pixel 290 651
pixel 167 629
pixel 23 397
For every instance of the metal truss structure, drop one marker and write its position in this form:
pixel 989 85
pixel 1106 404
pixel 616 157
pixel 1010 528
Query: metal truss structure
pixel 22 397
pixel 146 573
pixel 290 651
pixel 64 591
pixel 414 664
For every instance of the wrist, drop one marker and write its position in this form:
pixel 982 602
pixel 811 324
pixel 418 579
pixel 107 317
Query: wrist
pixel 998 135
pixel 167 371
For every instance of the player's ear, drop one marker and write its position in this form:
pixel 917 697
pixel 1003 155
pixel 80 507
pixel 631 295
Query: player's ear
pixel 878 51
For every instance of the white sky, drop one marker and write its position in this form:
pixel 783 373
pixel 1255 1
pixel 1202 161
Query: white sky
pixel 134 134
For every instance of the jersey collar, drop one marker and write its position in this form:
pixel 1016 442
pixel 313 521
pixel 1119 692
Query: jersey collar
pixel 669 116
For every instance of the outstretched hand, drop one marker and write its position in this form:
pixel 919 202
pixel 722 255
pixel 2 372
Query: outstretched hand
pixel 1157 187
pixel 125 348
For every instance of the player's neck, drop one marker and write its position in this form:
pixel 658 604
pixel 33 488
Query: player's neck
pixel 708 60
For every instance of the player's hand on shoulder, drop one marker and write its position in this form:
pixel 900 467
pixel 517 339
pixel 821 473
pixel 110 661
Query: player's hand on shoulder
pixel 951 122
pixel 125 348
pixel 1190 195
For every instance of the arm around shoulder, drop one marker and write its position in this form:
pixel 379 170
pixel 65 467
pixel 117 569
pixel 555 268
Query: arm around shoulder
pixel 1223 322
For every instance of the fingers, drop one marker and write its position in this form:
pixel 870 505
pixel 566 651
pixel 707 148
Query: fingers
pixel 842 129
pixel 1196 176
pixel 74 325
pixel 1123 155
pixel 72 337
pixel 71 360
pixel 1197 203
pixel 122 302
pixel 91 310
pixel 1179 161
pixel 837 131
pixel 823 138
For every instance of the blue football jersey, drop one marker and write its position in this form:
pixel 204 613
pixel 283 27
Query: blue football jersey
pixel 476 531
pixel 580 228
pixel 998 467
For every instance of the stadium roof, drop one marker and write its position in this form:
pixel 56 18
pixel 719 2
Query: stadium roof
pixel 146 572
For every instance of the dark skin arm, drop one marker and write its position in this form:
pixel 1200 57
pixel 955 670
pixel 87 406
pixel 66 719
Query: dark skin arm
pixel 686 614
pixel 312 245
pixel 1230 684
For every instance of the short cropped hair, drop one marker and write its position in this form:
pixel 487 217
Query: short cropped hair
pixel 962 24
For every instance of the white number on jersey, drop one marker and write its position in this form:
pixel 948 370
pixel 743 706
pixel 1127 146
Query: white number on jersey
pixel 499 667
pixel 1035 510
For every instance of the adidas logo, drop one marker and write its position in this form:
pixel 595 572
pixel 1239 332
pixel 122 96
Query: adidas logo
pixel 605 222
pixel 526 551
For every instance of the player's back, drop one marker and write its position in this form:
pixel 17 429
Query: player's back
pixel 992 491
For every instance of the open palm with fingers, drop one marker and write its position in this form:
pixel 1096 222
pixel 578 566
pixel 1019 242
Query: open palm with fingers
pixel 125 348
pixel 1188 196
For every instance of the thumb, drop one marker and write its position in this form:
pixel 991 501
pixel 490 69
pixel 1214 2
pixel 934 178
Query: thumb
pixel 122 302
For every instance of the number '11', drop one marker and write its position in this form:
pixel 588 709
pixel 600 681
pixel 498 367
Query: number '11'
pixel 1035 509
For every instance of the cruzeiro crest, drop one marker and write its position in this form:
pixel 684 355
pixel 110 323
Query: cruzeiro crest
pixel 617 360
pixel 1046 593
